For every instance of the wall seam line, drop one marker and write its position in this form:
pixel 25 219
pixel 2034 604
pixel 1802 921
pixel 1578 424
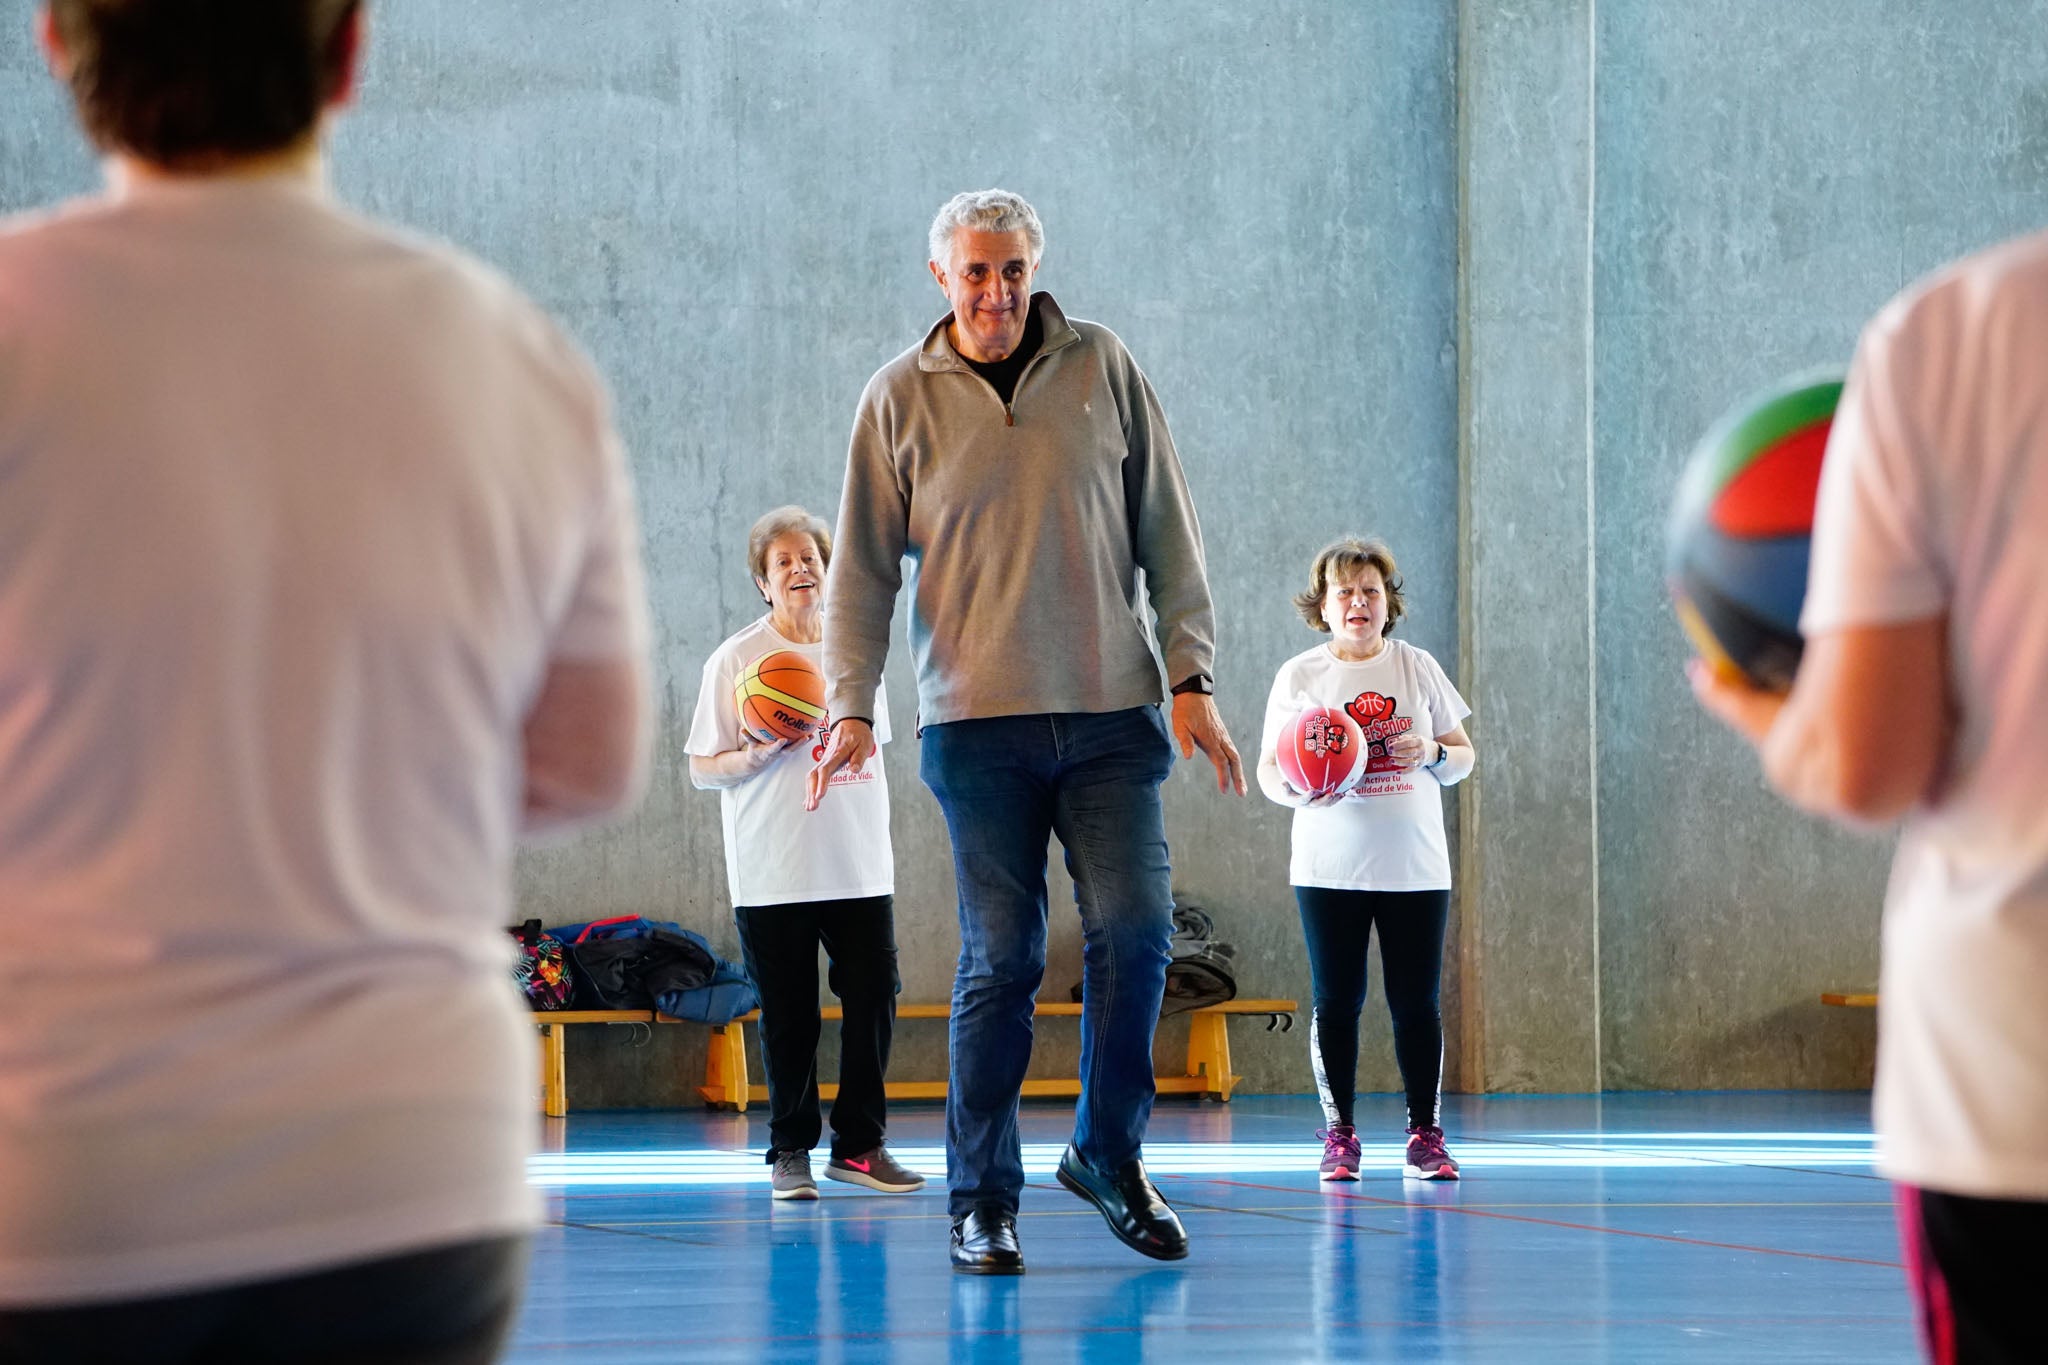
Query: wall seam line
pixel 1592 531
pixel 1471 966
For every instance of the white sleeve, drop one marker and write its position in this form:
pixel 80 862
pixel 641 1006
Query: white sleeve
pixel 1282 704
pixel 715 728
pixel 1873 557
pixel 1446 706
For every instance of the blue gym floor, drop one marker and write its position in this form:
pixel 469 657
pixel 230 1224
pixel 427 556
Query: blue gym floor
pixel 1625 1228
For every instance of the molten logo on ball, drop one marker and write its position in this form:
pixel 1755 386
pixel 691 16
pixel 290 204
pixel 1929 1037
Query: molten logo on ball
pixel 780 696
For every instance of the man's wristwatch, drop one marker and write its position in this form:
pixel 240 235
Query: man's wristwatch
pixel 1443 751
pixel 1196 682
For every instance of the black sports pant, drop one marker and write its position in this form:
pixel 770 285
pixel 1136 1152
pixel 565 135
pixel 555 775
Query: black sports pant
pixel 450 1305
pixel 1338 926
pixel 1976 1267
pixel 780 944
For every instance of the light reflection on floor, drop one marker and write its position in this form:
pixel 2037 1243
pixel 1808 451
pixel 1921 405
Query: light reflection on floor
pixel 1624 1228
pixel 1609 1151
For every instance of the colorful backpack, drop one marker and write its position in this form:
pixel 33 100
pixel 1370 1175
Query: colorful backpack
pixel 542 970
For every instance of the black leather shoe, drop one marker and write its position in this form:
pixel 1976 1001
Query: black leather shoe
pixel 1130 1205
pixel 985 1242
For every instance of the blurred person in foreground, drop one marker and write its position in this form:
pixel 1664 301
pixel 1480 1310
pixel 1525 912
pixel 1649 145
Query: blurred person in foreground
pixel 319 585
pixel 1919 700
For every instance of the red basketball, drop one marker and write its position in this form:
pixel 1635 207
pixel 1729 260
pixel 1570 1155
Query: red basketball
pixel 781 695
pixel 1322 751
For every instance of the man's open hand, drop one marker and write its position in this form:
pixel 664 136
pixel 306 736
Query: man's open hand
pixel 851 744
pixel 1198 725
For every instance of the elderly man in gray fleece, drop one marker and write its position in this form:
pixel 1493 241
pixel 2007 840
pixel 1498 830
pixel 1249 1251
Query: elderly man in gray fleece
pixel 1020 460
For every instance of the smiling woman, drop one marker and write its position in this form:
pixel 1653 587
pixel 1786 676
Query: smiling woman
pixel 800 879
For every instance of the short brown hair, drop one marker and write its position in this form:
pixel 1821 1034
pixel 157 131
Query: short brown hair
pixel 780 522
pixel 191 84
pixel 1344 559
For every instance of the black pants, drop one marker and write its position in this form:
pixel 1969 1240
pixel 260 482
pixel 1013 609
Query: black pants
pixel 1338 926
pixel 1976 1268
pixel 451 1305
pixel 780 943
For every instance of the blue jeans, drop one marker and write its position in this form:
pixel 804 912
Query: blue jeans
pixel 1006 785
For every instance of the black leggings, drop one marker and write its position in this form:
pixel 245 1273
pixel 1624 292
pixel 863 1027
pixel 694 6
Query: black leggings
pixel 1338 926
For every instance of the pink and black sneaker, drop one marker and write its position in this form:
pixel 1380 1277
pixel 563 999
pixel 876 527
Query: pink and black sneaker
pixel 1340 1152
pixel 1427 1159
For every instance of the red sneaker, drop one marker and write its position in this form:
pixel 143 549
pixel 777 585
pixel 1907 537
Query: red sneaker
pixel 1427 1159
pixel 1340 1152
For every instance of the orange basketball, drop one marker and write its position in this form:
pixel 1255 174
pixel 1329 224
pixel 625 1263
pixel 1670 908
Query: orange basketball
pixel 780 695
pixel 1322 751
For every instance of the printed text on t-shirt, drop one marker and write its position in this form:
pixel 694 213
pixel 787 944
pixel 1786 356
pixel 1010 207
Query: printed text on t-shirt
pixel 1374 713
pixel 844 775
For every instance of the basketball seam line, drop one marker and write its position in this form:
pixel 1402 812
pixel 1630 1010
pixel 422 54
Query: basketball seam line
pixel 757 688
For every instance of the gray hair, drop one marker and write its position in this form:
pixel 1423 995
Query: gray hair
pixel 986 211
pixel 780 522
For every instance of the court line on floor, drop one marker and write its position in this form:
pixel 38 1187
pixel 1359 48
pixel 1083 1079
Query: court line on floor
pixel 1292 1213
pixel 1577 1227
pixel 1164 1327
pixel 1299 1214
pixel 629 1230
pixel 937 1215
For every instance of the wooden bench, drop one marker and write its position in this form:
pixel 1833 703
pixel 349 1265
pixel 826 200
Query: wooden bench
pixel 554 1065
pixel 726 1084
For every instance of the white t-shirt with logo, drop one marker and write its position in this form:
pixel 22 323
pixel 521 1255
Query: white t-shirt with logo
pixel 1933 499
pixel 776 852
pixel 1387 834
pixel 294 511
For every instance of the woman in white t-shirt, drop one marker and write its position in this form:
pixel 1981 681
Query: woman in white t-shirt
pixel 1374 854
pixel 801 878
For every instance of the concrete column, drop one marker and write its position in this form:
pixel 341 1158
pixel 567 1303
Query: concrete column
pixel 1529 934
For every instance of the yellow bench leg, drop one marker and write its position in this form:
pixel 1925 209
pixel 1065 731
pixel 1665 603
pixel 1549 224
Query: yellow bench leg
pixel 725 1069
pixel 1209 1053
pixel 554 1071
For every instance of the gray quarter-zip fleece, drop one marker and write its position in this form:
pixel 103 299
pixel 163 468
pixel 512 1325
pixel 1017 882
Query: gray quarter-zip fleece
pixel 1025 528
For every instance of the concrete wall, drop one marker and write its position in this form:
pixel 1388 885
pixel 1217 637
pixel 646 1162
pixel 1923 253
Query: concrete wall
pixel 729 206
pixel 1662 208
pixel 1529 927
pixel 727 203
pixel 1472 276
pixel 1765 177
